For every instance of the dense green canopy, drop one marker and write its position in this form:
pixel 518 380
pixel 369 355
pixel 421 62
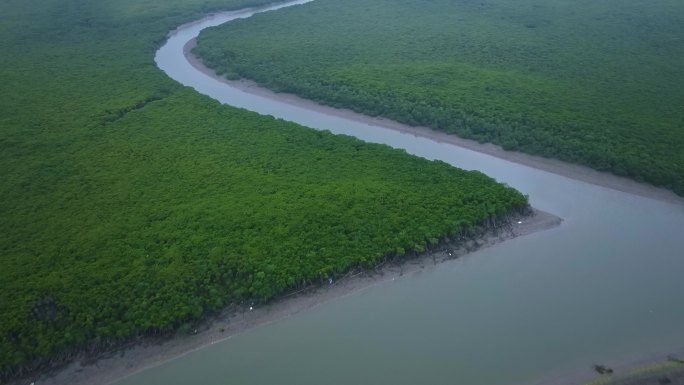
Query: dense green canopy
pixel 132 206
pixel 600 83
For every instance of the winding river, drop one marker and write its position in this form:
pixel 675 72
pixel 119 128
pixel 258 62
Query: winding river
pixel 605 286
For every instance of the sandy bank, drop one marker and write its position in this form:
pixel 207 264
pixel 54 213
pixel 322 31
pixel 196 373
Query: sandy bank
pixel 554 166
pixel 235 320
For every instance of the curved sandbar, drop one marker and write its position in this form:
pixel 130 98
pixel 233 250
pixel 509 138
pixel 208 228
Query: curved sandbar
pixel 577 172
pixel 176 59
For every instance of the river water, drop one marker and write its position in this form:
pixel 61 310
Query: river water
pixel 605 286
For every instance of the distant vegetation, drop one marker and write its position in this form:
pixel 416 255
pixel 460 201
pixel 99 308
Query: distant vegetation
pixel 666 372
pixel 133 206
pixel 600 83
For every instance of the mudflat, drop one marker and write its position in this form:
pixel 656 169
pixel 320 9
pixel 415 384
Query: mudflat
pixel 234 320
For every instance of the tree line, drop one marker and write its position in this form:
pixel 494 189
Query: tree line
pixel 592 86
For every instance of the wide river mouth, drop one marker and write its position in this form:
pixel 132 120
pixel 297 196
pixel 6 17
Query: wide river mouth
pixel 605 286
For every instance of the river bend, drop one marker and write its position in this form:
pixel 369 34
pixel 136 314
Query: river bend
pixel 606 285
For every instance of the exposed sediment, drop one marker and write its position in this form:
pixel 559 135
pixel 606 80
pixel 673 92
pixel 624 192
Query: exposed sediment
pixel 149 352
pixel 573 171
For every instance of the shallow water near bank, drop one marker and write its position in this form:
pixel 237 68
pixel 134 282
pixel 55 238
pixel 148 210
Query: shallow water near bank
pixel 605 286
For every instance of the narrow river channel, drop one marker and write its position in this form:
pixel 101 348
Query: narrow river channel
pixel 605 286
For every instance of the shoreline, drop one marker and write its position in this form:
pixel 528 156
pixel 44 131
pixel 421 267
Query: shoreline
pixel 554 166
pixel 627 371
pixel 235 320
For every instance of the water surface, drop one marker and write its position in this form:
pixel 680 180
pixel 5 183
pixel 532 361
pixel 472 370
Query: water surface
pixel 604 286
